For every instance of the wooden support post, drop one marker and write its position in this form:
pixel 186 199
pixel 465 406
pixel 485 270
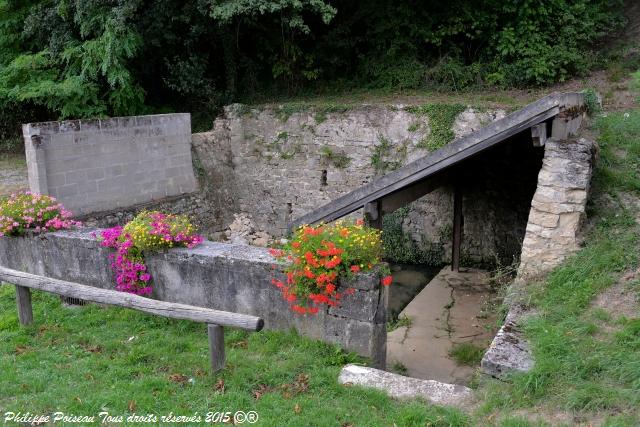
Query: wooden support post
pixel 23 300
pixel 457 228
pixel 216 347
pixel 373 214
pixel 539 134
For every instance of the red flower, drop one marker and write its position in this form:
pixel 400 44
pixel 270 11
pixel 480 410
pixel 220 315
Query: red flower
pixel 299 309
pixel 359 221
pixel 276 252
pixel 386 281
pixel 309 274
pixel 350 291
pixel 355 268
pixel 330 288
pixel 312 310
pixel 296 245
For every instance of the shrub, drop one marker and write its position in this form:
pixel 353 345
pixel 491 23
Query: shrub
pixel 24 211
pixel 148 231
pixel 320 256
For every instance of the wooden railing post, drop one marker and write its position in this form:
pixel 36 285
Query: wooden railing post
pixel 216 347
pixel 23 300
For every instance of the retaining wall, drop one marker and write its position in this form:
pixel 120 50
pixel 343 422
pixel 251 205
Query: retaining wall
pixel 97 165
pixel 214 275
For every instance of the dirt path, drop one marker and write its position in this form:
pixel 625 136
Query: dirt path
pixel 13 174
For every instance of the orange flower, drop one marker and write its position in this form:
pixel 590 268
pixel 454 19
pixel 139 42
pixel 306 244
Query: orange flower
pixel 386 281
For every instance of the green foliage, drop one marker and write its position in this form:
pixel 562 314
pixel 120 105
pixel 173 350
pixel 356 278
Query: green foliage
pixel 385 157
pixel 467 354
pixel 404 321
pixel 441 120
pixel 399 246
pixel 61 58
pixel 591 102
pixel 337 159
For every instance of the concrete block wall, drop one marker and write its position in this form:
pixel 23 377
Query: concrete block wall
pixel 214 275
pixel 98 165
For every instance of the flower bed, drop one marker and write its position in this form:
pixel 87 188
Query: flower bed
pixel 148 231
pixel 321 255
pixel 23 212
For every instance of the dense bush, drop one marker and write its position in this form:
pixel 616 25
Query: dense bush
pixel 72 58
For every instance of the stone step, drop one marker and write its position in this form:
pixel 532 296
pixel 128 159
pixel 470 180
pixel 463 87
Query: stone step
pixel 401 387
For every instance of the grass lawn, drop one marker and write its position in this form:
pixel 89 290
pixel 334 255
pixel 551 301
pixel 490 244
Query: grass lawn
pixel 92 359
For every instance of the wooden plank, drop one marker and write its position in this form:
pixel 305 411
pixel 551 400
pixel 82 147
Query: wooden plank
pixel 458 150
pixel 216 347
pixel 411 193
pixel 136 302
pixel 23 300
pixel 457 228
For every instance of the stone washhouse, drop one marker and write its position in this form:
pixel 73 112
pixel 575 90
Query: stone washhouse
pixel 510 186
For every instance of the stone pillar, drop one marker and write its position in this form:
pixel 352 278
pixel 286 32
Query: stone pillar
pixel 558 205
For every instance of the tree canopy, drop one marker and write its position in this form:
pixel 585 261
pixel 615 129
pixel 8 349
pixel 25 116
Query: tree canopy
pixel 87 58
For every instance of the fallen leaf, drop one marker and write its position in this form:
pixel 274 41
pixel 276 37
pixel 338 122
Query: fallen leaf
pixel 93 348
pixel 239 344
pixel 347 424
pixel 132 406
pixel 219 385
pixel 77 399
pixel 262 389
pixel 297 409
pixel 21 349
pixel 178 378
pixel 199 373
pixel 89 377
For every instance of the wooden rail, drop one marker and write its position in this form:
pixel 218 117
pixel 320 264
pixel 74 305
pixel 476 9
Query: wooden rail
pixel 215 319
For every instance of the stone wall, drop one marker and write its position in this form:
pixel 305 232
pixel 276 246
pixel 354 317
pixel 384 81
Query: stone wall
pixel 558 206
pixel 97 165
pixel 275 167
pixel 215 275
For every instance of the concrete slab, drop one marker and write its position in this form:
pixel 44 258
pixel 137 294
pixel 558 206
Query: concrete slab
pixel 448 311
pixel 402 387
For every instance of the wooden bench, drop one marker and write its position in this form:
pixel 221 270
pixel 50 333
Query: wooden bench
pixel 214 319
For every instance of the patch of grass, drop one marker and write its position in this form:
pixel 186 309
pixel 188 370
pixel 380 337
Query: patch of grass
pixel 399 368
pixel 404 321
pixel 69 361
pixel 441 120
pixel 284 111
pixel 414 126
pixel 338 159
pixel 467 354
pixel 579 367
